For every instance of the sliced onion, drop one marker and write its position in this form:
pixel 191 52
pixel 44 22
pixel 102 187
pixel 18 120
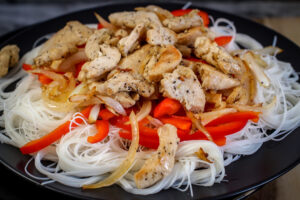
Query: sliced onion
pixel 113 104
pixel 247 41
pixel 59 78
pixel 104 23
pixel 258 72
pixel 198 125
pixel 82 88
pixel 155 122
pixel 77 98
pixel 69 63
pixel 144 111
pixel 94 114
pixel 269 50
pixel 242 108
pixel 127 163
pixel 210 116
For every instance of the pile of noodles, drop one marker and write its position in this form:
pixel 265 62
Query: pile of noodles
pixel 77 162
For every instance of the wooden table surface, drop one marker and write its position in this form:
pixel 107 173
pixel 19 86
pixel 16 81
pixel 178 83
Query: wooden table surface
pixel 287 186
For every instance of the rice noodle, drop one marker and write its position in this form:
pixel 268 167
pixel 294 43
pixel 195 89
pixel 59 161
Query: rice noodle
pixel 77 162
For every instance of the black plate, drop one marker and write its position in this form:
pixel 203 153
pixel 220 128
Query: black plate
pixel 271 161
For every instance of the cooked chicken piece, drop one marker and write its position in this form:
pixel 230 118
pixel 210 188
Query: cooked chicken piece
pixel 209 51
pixel 9 57
pixel 160 35
pixel 125 99
pixel 163 61
pixel 190 64
pixel 137 60
pixel 160 12
pixel 128 43
pixel 238 95
pixel 63 43
pixel 189 37
pixel 214 79
pixel 120 33
pixel 124 82
pixel 161 163
pixel 92 47
pixel 184 86
pixel 184 50
pixel 108 59
pixel 216 99
pixel 178 24
pixel 132 19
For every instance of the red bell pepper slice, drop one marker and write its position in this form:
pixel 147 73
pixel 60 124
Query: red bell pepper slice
pixel 78 68
pixel 166 107
pixel 204 17
pixel 178 122
pixel 45 80
pixel 146 141
pixel 202 14
pixel 99 26
pixel 103 129
pixel 26 67
pixel 238 116
pixel 218 133
pixel 223 40
pixel 105 114
pixel 56 134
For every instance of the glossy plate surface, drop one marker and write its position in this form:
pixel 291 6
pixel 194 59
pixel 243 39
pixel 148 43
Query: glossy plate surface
pixel 272 159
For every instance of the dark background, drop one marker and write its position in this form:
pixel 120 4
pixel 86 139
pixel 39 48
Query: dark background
pixel 18 13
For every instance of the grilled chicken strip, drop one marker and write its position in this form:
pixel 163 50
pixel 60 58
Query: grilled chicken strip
pixel 128 43
pixel 132 19
pixel 161 163
pixel 215 55
pixel 108 59
pixel 189 37
pixel 92 47
pixel 160 12
pixel 189 20
pixel 160 35
pixel 9 57
pixel 123 81
pixel 137 60
pixel 214 79
pixel 184 86
pixel 63 43
pixel 162 61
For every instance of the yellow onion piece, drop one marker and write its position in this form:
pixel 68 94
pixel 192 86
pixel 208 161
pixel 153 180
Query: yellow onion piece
pixel 155 122
pixel 114 104
pixel 70 62
pixel 258 72
pixel 127 163
pixel 254 108
pixel 198 125
pixel 269 50
pixel 144 111
pixel 212 115
pixel 104 23
pixel 59 78
pixel 56 94
pixel 94 114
